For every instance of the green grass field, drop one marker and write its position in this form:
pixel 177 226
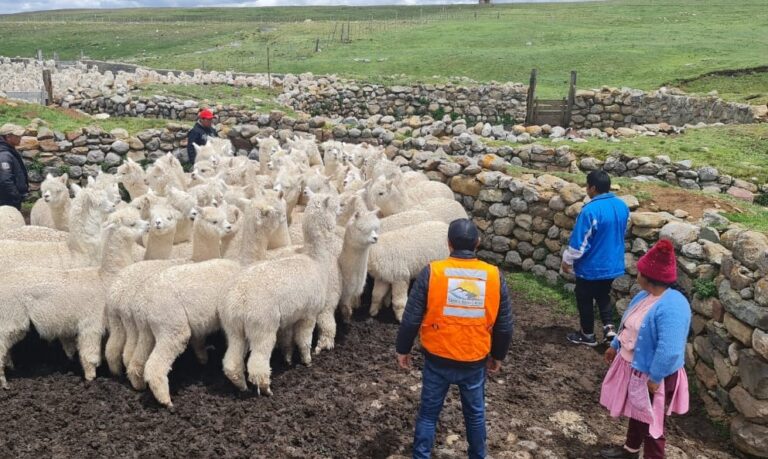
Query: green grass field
pixel 258 99
pixel 641 44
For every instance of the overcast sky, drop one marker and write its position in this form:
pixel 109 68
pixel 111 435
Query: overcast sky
pixel 13 6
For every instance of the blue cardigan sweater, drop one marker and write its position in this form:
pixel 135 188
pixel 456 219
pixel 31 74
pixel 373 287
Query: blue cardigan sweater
pixel 660 347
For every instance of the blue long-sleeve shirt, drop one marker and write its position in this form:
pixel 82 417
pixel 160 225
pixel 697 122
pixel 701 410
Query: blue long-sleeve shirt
pixel 416 308
pixel 596 247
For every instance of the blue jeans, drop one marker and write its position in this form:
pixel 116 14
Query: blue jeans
pixel 436 381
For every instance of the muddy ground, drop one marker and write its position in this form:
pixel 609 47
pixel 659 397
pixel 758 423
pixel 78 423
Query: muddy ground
pixel 352 402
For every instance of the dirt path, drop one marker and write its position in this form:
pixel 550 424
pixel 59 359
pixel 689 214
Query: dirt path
pixel 352 402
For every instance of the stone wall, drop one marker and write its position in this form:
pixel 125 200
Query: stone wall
pixel 526 221
pixel 611 107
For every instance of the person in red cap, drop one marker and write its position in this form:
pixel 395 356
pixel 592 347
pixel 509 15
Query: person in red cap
pixel 199 134
pixel 646 380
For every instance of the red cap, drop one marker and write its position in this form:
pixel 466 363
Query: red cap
pixel 205 114
pixel 659 263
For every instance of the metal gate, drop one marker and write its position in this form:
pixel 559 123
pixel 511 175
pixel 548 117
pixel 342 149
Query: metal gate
pixel 37 97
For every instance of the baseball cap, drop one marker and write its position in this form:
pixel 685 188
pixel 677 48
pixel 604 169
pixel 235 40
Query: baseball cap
pixel 205 114
pixel 11 129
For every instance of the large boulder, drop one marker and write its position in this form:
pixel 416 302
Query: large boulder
pixel 754 374
pixel 752 409
pixel 750 438
pixel 679 233
pixel 648 219
pixel 748 247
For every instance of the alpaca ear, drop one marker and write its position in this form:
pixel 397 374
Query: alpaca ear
pixel 91 180
pixel 76 189
pixel 130 161
pixel 49 176
pixel 64 177
pixel 326 202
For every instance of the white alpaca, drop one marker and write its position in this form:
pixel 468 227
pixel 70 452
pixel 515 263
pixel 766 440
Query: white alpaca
pixel 391 199
pixel 67 304
pixel 162 229
pixel 166 172
pixel 279 294
pixel 89 209
pixel 10 218
pixel 52 211
pixel 399 257
pixel 122 299
pixel 180 305
pixel 133 178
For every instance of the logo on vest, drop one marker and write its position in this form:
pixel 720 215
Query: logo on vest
pixel 466 293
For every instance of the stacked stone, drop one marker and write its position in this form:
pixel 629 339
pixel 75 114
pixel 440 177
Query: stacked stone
pixel 613 108
pixel 493 102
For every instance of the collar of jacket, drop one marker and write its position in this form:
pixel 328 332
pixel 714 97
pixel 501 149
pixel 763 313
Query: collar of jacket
pixel 607 195
pixel 464 254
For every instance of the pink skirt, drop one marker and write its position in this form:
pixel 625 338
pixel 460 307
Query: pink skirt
pixel 620 394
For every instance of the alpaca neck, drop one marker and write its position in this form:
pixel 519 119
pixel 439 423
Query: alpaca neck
pixel 60 214
pixel 254 245
pixel 281 237
pixel 227 240
pixel 136 188
pixel 205 246
pixel 353 263
pixel 116 254
pixel 85 229
pixel 398 202
pixel 159 246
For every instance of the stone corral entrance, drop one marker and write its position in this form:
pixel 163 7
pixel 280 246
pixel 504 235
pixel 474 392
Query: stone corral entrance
pixel 554 112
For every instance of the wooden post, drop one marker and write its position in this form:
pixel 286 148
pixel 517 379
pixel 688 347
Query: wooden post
pixel 40 55
pixel 349 40
pixel 571 100
pixel 530 100
pixel 269 70
pixel 48 84
pixel 317 45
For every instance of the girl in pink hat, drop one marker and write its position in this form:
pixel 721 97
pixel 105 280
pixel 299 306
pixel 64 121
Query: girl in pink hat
pixel 646 380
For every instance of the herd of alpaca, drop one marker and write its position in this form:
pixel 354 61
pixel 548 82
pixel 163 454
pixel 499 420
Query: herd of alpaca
pixel 265 251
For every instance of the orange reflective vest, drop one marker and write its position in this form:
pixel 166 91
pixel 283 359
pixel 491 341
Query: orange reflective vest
pixel 462 306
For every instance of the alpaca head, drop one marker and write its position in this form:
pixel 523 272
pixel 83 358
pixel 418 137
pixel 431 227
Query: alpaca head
pixel 163 219
pixel 183 202
pixel 264 217
pixel 126 224
pixel 54 189
pixel 364 228
pixel 108 183
pixel 234 217
pixel 203 170
pixel 212 221
pixel 320 217
pixel 94 197
pixel 130 172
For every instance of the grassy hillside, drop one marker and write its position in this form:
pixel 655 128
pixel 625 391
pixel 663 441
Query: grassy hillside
pixel 641 44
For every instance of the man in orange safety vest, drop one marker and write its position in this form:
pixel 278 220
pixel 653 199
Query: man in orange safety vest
pixel 461 309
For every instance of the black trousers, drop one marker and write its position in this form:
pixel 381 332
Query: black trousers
pixel 15 204
pixel 587 294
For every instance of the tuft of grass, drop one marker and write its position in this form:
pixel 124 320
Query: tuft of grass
pixel 69 120
pixel 535 290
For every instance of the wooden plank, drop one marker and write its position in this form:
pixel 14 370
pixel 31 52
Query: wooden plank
pixel 571 100
pixel 529 102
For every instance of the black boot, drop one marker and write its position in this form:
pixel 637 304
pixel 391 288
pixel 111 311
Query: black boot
pixel 618 452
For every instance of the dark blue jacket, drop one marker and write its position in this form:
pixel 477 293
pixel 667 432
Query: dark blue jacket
pixel 14 183
pixel 416 308
pixel 198 135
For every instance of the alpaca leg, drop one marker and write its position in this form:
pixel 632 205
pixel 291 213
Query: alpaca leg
pixel 89 348
pixel 69 344
pixel 326 323
pixel 285 344
pixel 234 357
pixel 144 345
pixel 303 338
pixel 115 343
pixel 262 343
pixel 131 339
pixel 380 289
pixel 399 298
pixel 198 347
pixel 7 340
pixel 168 345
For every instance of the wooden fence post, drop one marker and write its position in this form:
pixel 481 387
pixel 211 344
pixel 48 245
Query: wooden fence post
pixel 317 45
pixel 269 69
pixel 529 102
pixel 571 100
pixel 48 84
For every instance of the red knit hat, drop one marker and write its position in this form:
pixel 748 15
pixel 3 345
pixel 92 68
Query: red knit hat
pixel 659 263
pixel 205 114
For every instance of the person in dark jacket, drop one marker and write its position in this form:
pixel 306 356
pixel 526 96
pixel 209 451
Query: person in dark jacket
pixel 14 183
pixel 460 308
pixel 199 134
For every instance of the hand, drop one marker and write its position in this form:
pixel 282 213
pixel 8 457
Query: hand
pixel 652 387
pixel 609 355
pixel 404 361
pixel 566 268
pixel 492 365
